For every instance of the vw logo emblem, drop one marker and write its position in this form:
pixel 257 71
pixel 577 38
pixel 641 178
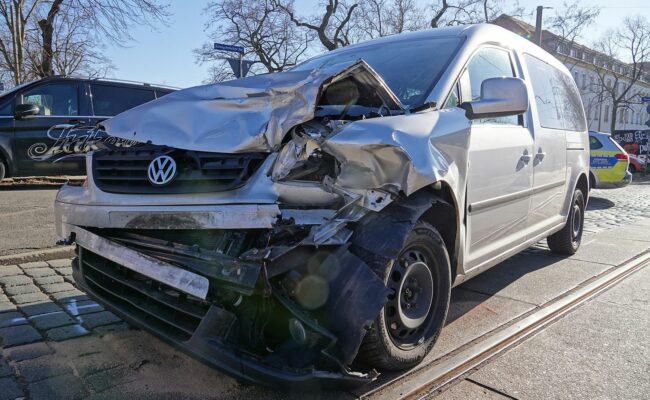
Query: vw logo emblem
pixel 162 170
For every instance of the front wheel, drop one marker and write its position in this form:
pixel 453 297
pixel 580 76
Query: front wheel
pixel 567 241
pixel 409 324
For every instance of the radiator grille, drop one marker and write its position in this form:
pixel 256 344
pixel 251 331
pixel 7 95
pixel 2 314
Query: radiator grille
pixel 124 170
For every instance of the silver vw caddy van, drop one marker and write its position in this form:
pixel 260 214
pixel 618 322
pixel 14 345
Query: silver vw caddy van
pixel 281 226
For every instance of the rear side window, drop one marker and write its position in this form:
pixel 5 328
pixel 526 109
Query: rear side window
pixel 557 99
pixel 112 100
pixel 594 143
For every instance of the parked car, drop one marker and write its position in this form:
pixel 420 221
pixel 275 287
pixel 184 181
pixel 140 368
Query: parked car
pixel 47 125
pixel 608 162
pixel 283 225
pixel 637 163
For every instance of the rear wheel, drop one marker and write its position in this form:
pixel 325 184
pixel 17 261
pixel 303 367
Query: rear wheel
pixel 567 241
pixel 410 322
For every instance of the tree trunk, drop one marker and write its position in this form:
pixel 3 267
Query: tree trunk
pixel 613 120
pixel 47 33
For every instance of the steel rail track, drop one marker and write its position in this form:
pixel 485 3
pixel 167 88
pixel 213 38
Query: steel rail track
pixel 424 381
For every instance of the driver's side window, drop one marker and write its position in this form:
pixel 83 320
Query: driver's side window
pixel 488 62
pixel 54 99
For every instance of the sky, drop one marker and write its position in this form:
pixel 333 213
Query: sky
pixel 164 55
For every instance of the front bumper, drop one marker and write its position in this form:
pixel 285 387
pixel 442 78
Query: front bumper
pixel 627 179
pixel 197 328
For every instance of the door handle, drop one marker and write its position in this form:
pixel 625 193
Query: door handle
pixel 539 156
pixel 525 158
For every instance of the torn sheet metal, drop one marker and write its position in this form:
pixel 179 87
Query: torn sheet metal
pixel 250 114
pixel 402 153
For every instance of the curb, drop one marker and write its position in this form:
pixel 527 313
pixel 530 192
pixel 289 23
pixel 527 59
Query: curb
pixel 38 255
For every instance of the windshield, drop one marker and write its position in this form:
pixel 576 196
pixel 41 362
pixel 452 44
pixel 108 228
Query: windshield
pixel 411 68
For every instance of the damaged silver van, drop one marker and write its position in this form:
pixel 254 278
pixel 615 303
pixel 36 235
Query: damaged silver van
pixel 305 228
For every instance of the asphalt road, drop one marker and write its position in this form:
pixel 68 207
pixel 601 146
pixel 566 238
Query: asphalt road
pixel 26 220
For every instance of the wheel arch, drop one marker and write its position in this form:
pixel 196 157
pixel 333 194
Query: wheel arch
pixel 444 216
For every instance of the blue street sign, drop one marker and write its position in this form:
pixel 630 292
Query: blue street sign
pixel 645 99
pixel 229 47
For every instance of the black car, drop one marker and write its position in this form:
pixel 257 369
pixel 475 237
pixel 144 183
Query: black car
pixel 46 126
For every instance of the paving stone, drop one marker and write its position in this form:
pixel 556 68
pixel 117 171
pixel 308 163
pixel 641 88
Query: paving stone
pixel 29 298
pixel 58 287
pixel 9 270
pixel 15 280
pixel 5 369
pixel 98 319
pixel 110 378
pixel 15 335
pixel 42 367
pixel 22 289
pixel 33 264
pixel 6 304
pixel 67 271
pixel 40 272
pixel 10 389
pixel 70 296
pixel 11 319
pixel 82 307
pixel 43 307
pixel 66 332
pixel 51 320
pixel 61 387
pixel 48 280
pixel 61 263
pixel 28 351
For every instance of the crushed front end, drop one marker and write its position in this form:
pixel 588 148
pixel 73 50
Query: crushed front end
pixel 259 253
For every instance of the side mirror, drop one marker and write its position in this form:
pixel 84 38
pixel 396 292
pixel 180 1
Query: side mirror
pixel 26 110
pixel 500 97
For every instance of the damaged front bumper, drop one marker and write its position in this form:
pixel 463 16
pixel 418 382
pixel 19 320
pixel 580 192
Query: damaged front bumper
pixel 279 311
pixel 205 338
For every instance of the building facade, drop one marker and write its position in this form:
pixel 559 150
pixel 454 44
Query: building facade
pixel 591 70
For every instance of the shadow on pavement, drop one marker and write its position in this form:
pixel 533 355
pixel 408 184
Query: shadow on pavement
pixel 598 203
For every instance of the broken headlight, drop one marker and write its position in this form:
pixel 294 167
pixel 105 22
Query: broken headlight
pixel 302 159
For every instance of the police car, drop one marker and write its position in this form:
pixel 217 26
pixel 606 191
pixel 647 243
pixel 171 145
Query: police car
pixel 609 163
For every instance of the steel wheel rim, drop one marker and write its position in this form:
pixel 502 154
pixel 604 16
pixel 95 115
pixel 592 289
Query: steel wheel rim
pixel 576 222
pixel 411 282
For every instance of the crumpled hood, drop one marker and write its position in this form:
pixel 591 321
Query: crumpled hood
pixel 244 115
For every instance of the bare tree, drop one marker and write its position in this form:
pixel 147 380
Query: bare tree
pixel 266 33
pixel 333 27
pixel 379 18
pixel 460 12
pixel 617 81
pixel 70 48
pixel 568 25
pixel 37 35
pixel 15 15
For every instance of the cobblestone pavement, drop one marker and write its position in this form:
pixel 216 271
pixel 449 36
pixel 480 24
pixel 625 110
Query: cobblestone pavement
pixel 56 343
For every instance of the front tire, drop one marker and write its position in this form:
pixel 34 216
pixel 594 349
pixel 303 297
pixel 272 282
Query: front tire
pixel 3 170
pixel 567 241
pixel 409 324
